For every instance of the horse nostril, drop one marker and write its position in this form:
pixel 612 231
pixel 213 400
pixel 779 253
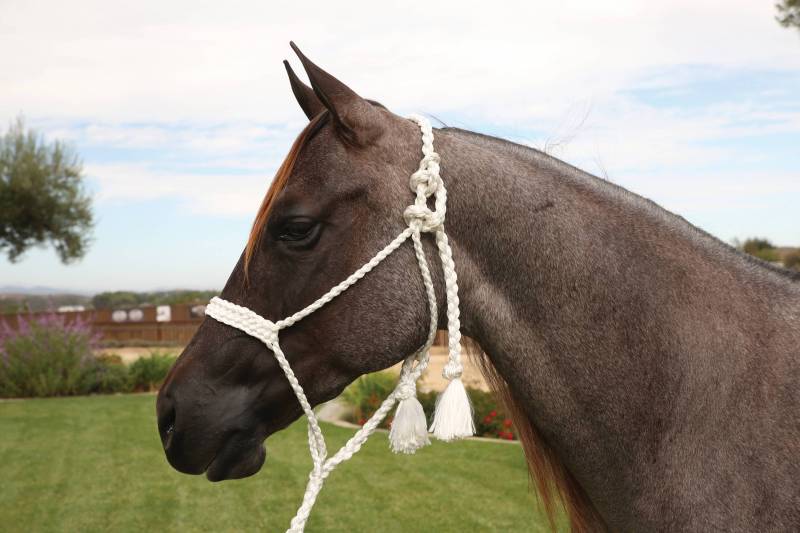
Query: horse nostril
pixel 166 426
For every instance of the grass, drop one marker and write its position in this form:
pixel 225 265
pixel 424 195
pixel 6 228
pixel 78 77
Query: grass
pixel 95 464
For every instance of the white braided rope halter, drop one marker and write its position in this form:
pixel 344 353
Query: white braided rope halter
pixel 453 417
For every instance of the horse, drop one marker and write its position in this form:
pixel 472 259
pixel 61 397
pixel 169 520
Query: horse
pixel 652 370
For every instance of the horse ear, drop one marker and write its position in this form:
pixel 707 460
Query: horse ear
pixel 357 119
pixel 304 94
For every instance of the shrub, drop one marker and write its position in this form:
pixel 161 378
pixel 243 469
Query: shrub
pixel 148 373
pixel 48 356
pixel 106 375
pixel 367 393
pixel 45 356
pixel 792 260
pixel 761 248
pixel 491 419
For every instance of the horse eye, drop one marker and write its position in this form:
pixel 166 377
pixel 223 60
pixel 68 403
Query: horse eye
pixel 296 229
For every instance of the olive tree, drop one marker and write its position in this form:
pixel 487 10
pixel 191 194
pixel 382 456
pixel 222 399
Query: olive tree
pixel 42 196
pixel 789 13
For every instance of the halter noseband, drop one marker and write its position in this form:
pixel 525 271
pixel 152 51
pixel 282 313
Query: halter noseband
pixel 409 432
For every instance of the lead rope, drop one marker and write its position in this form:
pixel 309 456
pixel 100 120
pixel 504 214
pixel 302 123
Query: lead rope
pixel 453 416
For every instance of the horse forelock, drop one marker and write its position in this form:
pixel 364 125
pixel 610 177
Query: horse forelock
pixel 279 182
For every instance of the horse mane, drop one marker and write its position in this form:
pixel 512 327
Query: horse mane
pixel 278 184
pixel 555 485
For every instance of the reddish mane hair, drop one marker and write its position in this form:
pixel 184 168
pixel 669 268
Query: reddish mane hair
pixel 278 184
pixel 555 485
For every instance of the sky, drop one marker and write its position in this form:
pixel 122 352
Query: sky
pixel 181 110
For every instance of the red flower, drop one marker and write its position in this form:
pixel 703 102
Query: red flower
pixel 493 414
pixel 487 420
pixel 507 422
pixel 362 421
pixel 509 436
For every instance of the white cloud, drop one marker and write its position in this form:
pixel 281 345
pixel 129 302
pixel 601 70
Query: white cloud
pixel 622 136
pixel 220 194
pixel 203 84
pixel 710 190
pixel 157 61
pixel 208 140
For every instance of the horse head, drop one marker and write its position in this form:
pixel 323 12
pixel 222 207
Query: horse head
pixel 335 201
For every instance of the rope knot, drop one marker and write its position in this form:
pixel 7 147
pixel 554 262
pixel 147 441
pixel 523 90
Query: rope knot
pixel 452 370
pixel 406 389
pixel 427 176
pixel 270 332
pixel 422 218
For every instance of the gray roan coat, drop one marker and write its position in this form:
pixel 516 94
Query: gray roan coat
pixel 653 369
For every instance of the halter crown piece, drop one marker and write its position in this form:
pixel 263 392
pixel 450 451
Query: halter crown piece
pixel 409 432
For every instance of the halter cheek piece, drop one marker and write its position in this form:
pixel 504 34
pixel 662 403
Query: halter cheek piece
pixel 409 432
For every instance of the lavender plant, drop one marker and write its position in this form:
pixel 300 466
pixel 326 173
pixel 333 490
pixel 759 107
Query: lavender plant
pixel 45 355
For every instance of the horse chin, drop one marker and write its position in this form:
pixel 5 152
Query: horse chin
pixel 234 461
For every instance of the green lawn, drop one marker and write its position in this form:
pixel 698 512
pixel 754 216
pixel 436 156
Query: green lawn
pixel 95 464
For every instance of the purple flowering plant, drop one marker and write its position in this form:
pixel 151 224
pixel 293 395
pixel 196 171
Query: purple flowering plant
pixel 46 355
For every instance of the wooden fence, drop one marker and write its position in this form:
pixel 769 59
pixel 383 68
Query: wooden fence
pixel 145 324
pixel 163 324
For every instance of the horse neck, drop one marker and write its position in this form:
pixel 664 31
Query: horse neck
pixel 587 300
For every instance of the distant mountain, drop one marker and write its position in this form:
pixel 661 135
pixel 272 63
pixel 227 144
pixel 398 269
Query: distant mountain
pixel 20 299
pixel 122 299
pixel 38 290
pixel 13 300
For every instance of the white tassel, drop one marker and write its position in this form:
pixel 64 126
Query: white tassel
pixel 453 417
pixel 409 428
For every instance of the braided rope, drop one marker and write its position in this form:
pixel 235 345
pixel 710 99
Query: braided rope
pixel 425 182
pixel 343 286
